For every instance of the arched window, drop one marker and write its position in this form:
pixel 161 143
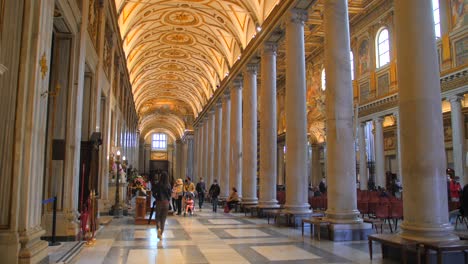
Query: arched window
pixel 435 8
pixel 352 64
pixel 324 81
pixel 159 141
pixel 383 48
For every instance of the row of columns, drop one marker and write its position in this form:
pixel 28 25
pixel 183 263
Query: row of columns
pixel 421 136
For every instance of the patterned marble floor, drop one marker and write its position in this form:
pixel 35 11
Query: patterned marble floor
pixel 210 237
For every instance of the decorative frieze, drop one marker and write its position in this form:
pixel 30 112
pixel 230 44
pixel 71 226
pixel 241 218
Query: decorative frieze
pixel 378 105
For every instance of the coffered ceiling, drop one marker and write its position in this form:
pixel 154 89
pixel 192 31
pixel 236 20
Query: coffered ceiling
pixel 179 51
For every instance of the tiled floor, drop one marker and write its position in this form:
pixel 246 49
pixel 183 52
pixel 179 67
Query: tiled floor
pixel 210 237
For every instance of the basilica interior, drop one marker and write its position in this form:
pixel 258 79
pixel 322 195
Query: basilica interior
pixel 344 117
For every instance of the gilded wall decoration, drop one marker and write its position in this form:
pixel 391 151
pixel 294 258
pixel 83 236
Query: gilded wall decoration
pixel 461 51
pixel 459 10
pixel 157 155
pixel 116 73
pixel 107 50
pixel 364 57
pixel 315 99
pixel 364 91
pixel 383 84
pixel 93 20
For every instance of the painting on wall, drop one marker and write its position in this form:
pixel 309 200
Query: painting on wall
pixel 459 13
pixel 364 91
pixel 364 57
pixel 461 51
pixel 383 84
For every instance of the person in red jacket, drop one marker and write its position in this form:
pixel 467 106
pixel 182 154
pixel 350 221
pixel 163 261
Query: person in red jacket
pixel 455 189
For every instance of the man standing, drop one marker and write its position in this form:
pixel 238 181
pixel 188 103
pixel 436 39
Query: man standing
pixel 201 189
pixel 214 193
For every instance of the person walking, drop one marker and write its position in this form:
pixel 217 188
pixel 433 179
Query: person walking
pixel 201 189
pixel 162 193
pixel 214 193
pixel 178 192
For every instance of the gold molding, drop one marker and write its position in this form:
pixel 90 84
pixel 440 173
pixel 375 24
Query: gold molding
pixel 43 65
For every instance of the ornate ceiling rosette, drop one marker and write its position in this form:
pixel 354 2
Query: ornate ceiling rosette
pixel 178 52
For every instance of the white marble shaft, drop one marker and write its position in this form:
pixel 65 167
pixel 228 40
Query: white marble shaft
pixel 268 132
pixel 296 122
pixel 379 153
pixel 363 177
pixel 341 165
pixel 195 151
pixel 205 148
pixel 422 138
pixel 458 137
pixel 211 146
pixel 218 141
pixel 249 136
pixel 200 151
pixel 235 157
pixel 225 146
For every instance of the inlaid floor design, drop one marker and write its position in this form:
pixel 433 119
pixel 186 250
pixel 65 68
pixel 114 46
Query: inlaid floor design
pixel 210 237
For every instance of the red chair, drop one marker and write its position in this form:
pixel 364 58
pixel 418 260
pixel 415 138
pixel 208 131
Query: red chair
pixel 363 207
pixel 382 211
pixel 396 212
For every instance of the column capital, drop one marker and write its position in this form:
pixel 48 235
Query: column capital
pixel 297 16
pixel 270 48
pixel 251 68
pixel 379 119
pixel 455 98
pixel 237 83
pixel 205 118
pixel 211 111
pixel 362 124
pixel 219 103
pixel 226 95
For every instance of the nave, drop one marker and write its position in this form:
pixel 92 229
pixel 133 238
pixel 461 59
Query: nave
pixel 209 237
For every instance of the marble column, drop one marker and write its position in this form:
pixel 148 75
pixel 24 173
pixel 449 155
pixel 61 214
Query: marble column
pixel 363 177
pixel 184 170
pixel 210 141
pixel 249 135
pixel 281 165
pixel 178 164
pixel 315 165
pixel 458 137
pixel 341 165
pixel 267 192
pixel 296 122
pixel 218 141
pixel 190 155
pixel 379 153
pixel 235 166
pixel 200 150
pixel 225 146
pixel 397 118
pixel 195 152
pixel 205 150
pixel 422 137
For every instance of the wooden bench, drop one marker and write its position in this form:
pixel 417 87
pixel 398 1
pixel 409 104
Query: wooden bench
pixel 275 213
pixel 375 222
pixel 394 241
pixel 315 221
pixel 444 247
pixel 249 208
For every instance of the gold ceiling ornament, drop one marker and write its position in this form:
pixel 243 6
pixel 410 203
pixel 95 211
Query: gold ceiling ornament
pixel 43 65
pixel 177 39
pixel 181 18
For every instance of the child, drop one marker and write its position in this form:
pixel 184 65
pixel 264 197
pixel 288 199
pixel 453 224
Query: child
pixel 189 204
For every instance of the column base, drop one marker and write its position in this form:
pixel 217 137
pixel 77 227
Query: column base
pixel 104 206
pixel 297 209
pixel 347 232
pixel 427 233
pixel 33 249
pixel 249 201
pixel 268 204
pixel 67 227
pixel 343 217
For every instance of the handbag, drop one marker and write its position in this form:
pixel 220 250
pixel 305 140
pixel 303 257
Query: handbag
pixel 226 208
